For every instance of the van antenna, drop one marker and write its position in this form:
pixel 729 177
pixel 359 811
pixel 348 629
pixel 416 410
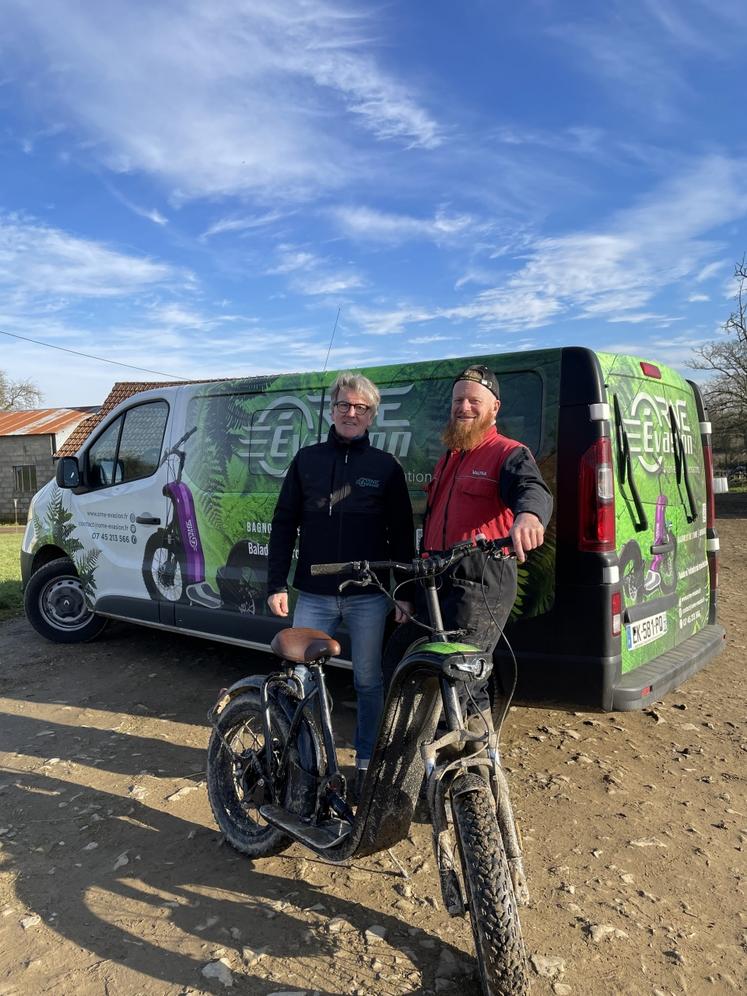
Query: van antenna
pixel 331 340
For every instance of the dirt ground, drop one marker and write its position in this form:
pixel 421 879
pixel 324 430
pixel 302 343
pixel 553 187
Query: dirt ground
pixel 114 879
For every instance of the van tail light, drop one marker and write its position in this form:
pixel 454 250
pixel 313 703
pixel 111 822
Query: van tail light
pixel 596 503
pixel 710 499
pixel 713 571
pixel 616 605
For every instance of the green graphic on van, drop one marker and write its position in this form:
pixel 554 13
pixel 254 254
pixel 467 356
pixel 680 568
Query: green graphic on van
pixel 660 507
pixel 57 527
pixel 171 522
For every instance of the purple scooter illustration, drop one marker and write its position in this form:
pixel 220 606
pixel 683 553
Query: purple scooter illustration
pixel 639 580
pixel 174 562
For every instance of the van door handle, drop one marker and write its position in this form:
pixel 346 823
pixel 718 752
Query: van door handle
pixel 148 520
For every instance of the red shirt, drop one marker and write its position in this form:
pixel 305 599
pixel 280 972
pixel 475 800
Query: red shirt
pixel 464 496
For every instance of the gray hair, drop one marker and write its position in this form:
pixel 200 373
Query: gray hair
pixel 357 384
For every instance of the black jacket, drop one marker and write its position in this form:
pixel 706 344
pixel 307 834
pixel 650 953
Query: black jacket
pixel 350 502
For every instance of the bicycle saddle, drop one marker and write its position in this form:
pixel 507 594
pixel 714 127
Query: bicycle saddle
pixel 303 645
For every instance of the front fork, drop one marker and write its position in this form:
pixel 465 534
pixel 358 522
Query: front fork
pixel 439 781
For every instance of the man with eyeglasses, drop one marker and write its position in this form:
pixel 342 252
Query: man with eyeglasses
pixel 345 500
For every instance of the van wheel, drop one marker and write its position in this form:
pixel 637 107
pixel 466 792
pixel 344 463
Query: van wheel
pixel 56 607
pixel 631 573
pixel 163 569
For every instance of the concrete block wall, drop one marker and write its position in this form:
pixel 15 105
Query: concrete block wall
pixel 17 451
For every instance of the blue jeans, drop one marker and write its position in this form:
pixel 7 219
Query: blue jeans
pixel 364 616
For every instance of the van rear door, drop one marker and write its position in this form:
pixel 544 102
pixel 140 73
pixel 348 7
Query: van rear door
pixel 660 507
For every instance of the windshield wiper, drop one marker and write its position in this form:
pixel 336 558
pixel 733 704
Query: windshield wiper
pixel 625 468
pixel 680 464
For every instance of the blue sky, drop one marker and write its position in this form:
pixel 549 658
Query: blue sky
pixel 197 188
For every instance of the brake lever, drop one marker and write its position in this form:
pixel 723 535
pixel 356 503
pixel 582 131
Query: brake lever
pixel 361 584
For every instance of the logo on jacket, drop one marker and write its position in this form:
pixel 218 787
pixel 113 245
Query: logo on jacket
pixel 479 473
pixel 367 482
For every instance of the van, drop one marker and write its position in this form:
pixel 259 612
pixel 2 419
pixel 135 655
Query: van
pixel 163 516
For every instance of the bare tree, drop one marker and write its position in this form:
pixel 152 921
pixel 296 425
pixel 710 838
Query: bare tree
pixel 726 358
pixel 17 394
pixel 725 391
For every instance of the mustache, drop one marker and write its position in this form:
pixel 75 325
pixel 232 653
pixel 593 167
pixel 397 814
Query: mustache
pixel 464 435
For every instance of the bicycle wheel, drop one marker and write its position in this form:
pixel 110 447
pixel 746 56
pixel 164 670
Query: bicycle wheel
pixel 490 895
pixel 238 781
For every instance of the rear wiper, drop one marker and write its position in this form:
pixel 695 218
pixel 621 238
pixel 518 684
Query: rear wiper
pixel 680 464
pixel 625 468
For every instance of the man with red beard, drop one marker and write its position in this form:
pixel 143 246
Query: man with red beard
pixel 489 485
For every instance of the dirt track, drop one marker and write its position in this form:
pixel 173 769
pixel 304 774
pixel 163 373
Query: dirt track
pixel 113 880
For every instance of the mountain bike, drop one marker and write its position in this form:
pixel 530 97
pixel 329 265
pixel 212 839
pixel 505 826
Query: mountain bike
pixel 273 776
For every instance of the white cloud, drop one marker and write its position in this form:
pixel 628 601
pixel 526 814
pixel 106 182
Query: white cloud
pixel 379 226
pixel 611 274
pixel 241 223
pixel 696 298
pixel 330 283
pixel 709 271
pixel 311 274
pixel 39 261
pixel 221 98
pixel 291 260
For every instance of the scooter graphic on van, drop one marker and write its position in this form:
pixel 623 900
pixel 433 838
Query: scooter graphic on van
pixel 174 562
pixel 640 580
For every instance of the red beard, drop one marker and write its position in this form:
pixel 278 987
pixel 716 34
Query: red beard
pixel 465 435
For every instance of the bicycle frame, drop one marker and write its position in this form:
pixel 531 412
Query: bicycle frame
pixel 405 752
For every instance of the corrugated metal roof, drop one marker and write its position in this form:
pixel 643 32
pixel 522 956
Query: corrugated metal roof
pixel 41 421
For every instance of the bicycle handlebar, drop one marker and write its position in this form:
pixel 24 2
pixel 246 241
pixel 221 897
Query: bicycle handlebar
pixel 423 566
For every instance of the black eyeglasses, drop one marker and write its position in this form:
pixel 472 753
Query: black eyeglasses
pixel 344 407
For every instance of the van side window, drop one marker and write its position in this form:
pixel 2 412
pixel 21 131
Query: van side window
pixel 102 465
pixel 142 436
pixel 129 448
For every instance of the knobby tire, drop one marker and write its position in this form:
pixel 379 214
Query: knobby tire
pixel 490 896
pixel 237 814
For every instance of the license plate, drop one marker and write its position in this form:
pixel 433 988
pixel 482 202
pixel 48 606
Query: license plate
pixel 646 630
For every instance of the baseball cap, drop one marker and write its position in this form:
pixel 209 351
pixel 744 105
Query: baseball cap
pixel 480 375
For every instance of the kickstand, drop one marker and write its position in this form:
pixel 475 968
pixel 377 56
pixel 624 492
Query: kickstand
pixel 397 862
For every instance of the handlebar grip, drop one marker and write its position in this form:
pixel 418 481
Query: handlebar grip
pixel 317 569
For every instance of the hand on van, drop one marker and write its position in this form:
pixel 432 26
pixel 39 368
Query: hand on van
pixel 527 533
pixel 278 603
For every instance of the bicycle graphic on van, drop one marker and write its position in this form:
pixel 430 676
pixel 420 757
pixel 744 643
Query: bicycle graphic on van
pixel 638 579
pixel 174 562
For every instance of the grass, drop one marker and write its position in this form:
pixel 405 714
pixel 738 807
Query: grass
pixel 11 597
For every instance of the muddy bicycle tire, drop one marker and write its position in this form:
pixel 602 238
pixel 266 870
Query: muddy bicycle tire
pixel 235 804
pixel 490 896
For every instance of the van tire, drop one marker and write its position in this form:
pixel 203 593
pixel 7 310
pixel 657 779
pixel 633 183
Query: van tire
pixel 56 607
pixel 168 564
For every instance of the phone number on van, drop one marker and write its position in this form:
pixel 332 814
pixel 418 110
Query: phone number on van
pixel 646 631
pixel 113 537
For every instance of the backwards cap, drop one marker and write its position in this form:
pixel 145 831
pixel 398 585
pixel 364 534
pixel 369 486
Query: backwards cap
pixel 480 375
